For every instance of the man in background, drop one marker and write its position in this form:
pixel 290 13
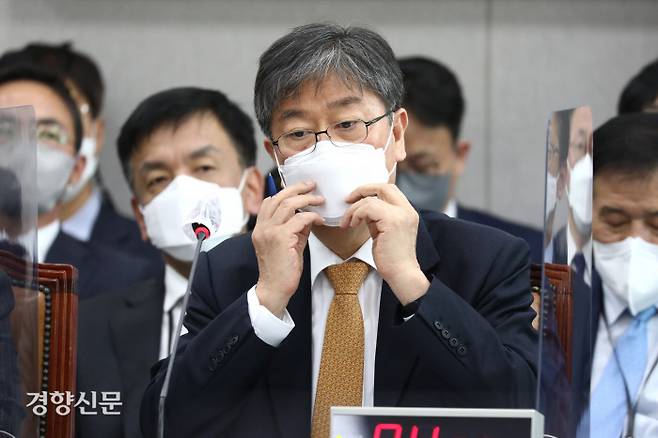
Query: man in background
pixel 436 155
pixel 641 92
pixel 624 374
pixel 59 165
pixel 178 147
pixel 87 212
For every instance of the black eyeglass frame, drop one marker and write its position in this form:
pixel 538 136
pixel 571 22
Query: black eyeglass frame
pixel 317 134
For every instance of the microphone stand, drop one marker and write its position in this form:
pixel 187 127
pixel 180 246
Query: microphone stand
pixel 201 234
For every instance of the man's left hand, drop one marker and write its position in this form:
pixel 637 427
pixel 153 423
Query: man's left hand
pixel 393 225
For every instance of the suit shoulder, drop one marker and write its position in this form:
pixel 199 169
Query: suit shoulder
pixel 470 238
pixel 492 220
pixel 233 252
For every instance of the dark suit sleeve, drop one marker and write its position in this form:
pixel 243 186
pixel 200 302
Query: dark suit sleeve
pixel 219 361
pixel 11 410
pixel 487 347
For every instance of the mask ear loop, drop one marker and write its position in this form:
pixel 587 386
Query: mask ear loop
pixel 243 178
pixel 388 143
pixel 243 181
pixel 278 169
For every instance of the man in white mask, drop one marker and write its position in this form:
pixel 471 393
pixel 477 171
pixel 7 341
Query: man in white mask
pixel 624 375
pixel 338 296
pixel 59 165
pixel 179 147
pixel 436 154
pixel 87 211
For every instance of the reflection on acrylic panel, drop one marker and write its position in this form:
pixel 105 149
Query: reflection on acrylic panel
pixel 19 342
pixel 566 275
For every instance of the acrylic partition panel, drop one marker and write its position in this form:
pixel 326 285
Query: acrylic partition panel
pixel 21 339
pixel 566 275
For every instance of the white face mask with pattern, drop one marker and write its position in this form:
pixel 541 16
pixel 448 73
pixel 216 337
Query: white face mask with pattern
pixel 167 215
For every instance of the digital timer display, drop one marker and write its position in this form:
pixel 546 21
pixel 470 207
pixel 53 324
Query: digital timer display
pixel 460 425
pixel 414 427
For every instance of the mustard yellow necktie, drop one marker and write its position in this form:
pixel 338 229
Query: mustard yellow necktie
pixel 340 382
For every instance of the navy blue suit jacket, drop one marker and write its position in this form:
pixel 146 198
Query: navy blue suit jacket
pixel 470 343
pixel 119 232
pixel 533 237
pixel 100 268
pixel 119 339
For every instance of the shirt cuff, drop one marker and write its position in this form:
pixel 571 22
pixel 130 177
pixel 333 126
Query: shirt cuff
pixel 268 327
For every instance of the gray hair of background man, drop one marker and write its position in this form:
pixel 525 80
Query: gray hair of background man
pixel 314 51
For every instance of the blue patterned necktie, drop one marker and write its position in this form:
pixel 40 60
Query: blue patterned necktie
pixel 608 404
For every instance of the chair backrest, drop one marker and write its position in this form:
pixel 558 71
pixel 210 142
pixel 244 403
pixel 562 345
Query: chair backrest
pixel 44 326
pixel 560 306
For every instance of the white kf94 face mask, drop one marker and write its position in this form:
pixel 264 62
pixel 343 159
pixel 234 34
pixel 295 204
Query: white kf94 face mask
pixel 629 269
pixel 580 194
pixel 167 216
pixel 337 171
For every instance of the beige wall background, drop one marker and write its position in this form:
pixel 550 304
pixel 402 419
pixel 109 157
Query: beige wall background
pixel 517 61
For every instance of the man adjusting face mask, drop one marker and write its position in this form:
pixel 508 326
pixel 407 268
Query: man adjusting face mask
pixel 337 167
pixel 167 215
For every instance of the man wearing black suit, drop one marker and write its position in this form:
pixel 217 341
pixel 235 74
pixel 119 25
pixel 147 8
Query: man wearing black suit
pixel 623 370
pixel 436 156
pixel 344 294
pixel 178 138
pixel 58 136
pixel 87 211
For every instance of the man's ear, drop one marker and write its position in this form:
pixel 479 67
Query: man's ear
pixel 269 147
pixel 78 168
pixel 400 123
pixel 463 151
pixel 100 135
pixel 252 192
pixel 139 217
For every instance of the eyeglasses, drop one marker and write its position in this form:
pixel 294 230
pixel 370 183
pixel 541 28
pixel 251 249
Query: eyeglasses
pixel 52 134
pixel 299 141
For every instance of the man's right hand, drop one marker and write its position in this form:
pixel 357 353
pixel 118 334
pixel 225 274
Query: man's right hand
pixel 279 239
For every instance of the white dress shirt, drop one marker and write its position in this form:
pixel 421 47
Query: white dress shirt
pixel 451 208
pixel 45 238
pixel 175 285
pixel 619 319
pixel 81 224
pixel 273 330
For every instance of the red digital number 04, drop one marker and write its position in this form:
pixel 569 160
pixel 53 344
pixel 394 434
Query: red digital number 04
pixel 397 431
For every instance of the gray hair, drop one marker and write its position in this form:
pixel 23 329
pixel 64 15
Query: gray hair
pixel 311 52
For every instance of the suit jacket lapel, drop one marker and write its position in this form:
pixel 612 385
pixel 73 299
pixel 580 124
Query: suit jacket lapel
pixel 135 331
pixel 289 375
pixel 394 362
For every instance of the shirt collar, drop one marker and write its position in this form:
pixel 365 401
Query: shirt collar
pixel 175 285
pixel 81 224
pixel 451 208
pixel 46 236
pixel 322 257
pixel 614 305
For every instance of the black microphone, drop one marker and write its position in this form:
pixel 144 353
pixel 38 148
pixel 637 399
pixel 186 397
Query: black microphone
pixel 202 232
